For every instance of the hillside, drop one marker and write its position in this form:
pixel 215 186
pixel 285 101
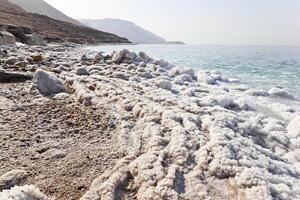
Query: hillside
pixel 10 6
pixel 43 8
pixel 51 29
pixel 125 29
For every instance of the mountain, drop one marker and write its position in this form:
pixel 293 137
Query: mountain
pixel 125 29
pixel 43 8
pixel 21 23
pixel 10 6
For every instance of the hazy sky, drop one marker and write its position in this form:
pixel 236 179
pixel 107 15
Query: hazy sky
pixel 262 22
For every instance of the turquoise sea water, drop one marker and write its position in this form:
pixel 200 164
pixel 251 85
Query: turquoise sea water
pixel 261 67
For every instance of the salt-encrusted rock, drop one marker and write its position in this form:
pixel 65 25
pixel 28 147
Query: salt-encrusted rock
pixel 279 92
pixel 81 71
pixel 118 56
pixel 11 60
pixel 205 77
pixel 27 192
pixel 144 56
pixel 181 79
pixel 225 102
pixel 98 57
pixel 164 84
pixel 12 178
pixel 175 71
pixel 294 127
pixel 47 83
pixel 163 63
pixel 7 38
pixel 121 75
pixel 146 75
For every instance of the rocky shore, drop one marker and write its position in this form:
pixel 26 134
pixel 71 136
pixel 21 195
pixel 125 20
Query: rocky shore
pixel 77 124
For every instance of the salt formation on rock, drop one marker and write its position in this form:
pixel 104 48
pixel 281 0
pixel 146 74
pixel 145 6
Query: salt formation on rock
pixel 187 134
pixel 28 192
pixel 188 139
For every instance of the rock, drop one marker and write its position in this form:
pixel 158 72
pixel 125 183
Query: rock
pixel 7 38
pixel 12 178
pixel 176 71
pixel 121 75
pixel 118 56
pixel 130 56
pixel 37 57
pixel 294 127
pixel 144 56
pixel 11 60
pixel 84 58
pixel 183 78
pixel 164 84
pixel 163 63
pixel 205 77
pixel 82 71
pixel 279 92
pixel 146 75
pixel 47 83
pixel 98 57
pixel 34 39
pixel 7 77
pixel 29 59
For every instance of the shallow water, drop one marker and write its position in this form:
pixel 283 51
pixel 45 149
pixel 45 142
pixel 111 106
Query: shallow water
pixel 261 67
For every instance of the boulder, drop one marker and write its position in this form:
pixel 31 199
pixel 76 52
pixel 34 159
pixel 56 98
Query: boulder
pixel 7 38
pixel 47 83
pixel 294 127
pixel 12 178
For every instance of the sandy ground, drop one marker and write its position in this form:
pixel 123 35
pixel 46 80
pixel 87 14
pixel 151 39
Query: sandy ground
pixel 61 145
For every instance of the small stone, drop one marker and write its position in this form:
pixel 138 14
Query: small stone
pixel 164 84
pixel 37 57
pixel 98 57
pixel 82 71
pixel 11 60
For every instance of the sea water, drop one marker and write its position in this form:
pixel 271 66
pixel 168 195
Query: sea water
pixel 260 67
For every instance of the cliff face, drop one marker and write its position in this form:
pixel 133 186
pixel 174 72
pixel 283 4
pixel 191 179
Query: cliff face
pixel 126 29
pixel 43 8
pixel 51 29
